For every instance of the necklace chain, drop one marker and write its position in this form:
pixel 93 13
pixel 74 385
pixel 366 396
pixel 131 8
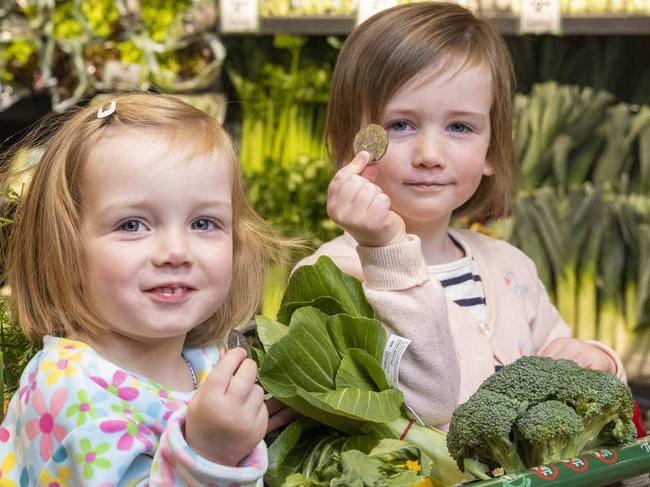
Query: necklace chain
pixel 195 382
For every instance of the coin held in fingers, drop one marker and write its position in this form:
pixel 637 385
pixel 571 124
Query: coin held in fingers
pixel 373 139
pixel 236 339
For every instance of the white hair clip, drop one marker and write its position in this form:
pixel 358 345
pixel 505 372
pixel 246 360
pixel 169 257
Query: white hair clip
pixel 106 109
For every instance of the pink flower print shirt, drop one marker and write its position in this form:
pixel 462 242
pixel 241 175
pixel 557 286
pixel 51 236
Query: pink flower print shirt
pixel 78 419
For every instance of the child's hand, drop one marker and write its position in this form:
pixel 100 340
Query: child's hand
pixel 226 418
pixel 360 207
pixel 279 414
pixel 581 352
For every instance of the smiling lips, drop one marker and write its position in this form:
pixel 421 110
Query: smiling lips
pixel 426 184
pixel 170 293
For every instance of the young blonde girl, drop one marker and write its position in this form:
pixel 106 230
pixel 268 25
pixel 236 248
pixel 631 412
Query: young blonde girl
pixel 134 250
pixel 440 82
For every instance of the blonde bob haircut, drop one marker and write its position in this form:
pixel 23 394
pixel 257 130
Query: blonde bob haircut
pixel 45 261
pixel 395 45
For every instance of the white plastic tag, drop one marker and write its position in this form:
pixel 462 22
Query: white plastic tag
pixel 540 17
pixel 395 348
pixel 239 15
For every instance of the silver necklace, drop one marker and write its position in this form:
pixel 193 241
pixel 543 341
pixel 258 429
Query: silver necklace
pixel 195 382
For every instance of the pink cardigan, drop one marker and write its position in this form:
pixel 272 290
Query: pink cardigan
pixel 452 352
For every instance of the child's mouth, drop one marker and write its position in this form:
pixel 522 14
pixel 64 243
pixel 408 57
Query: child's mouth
pixel 170 294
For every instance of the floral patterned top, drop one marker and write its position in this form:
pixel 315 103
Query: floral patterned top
pixel 78 419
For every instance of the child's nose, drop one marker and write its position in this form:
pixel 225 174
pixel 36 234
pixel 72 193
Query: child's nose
pixel 429 151
pixel 173 250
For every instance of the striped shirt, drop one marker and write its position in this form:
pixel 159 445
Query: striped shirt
pixel 461 282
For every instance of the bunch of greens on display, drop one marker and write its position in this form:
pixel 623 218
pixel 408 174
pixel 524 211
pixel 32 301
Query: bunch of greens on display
pixel 337 381
pixel 15 349
pixel 19 69
pixel 584 211
pixel 298 8
pixel 192 67
pixel 79 47
pixel 283 108
pixel 294 199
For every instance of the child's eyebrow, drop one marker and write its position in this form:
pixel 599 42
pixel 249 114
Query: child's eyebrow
pixel 464 113
pixel 412 113
pixel 129 205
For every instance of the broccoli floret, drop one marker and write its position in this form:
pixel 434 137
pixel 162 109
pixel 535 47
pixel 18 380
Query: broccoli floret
pixel 532 379
pixel 605 405
pixel 481 429
pixel 547 430
pixel 538 410
pixel 615 433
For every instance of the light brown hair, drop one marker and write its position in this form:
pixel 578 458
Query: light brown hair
pixel 45 259
pixel 393 46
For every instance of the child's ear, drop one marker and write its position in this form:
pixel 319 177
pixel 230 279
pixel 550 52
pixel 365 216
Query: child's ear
pixel 488 168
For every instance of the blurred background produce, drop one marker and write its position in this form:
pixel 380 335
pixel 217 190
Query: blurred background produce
pixel 582 130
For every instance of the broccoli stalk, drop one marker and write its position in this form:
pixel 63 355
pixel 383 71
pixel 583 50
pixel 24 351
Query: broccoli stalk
pixel 548 430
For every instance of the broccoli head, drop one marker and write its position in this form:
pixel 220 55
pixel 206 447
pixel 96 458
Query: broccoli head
pixel 532 379
pixel 604 404
pixel 481 429
pixel 539 410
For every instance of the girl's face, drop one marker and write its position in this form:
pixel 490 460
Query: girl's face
pixel 438 127
pixel 157 235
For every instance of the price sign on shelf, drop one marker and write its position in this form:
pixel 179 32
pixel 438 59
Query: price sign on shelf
pixel 540 17
pixel 239 15
pixel 368 8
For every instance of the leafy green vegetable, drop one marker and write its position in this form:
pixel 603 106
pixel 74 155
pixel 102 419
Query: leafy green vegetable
pixel 310 454
pixel 323 359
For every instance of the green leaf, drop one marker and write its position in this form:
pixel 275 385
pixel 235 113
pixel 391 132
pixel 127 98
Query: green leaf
pixel 292 447
pixel 305 357
pixel 361 371
pixel 385 467
pixel 269 331
pixel 325 279
pixel 364 333
pixel 326 304
pixel 358 404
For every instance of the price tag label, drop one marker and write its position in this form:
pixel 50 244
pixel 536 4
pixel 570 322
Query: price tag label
pixel 540 17
pixel 368 8
pixel 239 15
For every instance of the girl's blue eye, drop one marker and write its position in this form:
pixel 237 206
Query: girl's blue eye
pixel 459 127
pixel 203 225
pixel 131 226
pixel 399 126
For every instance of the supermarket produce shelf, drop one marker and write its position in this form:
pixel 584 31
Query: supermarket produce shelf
pixel 341 25
pixel 593 469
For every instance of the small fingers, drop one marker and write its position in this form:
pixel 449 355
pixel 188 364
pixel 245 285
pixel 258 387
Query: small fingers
pixel 352 168
pixel 243 380
pixel 220 377
pixel 273 405
pixel 284 416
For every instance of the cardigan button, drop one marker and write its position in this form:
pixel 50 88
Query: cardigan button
pixel 484 329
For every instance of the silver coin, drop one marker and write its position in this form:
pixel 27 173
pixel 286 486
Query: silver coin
pixel 236 339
